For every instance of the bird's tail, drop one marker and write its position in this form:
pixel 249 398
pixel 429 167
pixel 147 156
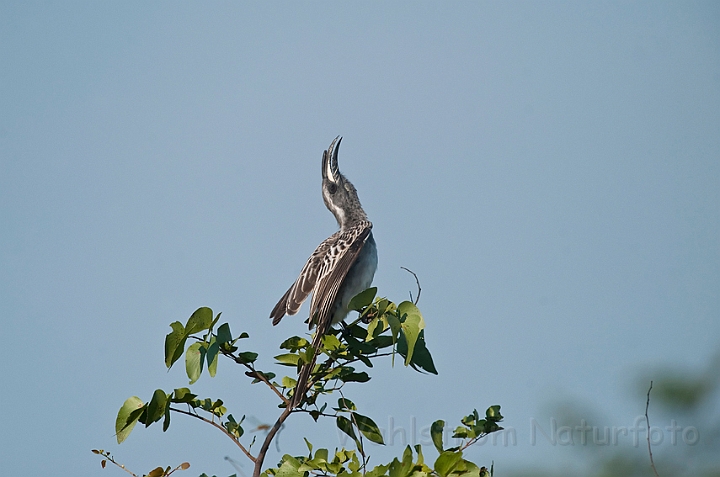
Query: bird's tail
pixel 302 384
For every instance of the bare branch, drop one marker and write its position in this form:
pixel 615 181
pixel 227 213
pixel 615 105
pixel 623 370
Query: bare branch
pixel 109 458
pixel 647 419
pixel 417 299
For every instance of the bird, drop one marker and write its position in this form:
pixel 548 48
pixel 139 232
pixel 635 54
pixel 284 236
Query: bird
pixel 342 266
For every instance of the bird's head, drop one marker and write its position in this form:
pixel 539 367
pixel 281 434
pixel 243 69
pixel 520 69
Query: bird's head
pixel 339 194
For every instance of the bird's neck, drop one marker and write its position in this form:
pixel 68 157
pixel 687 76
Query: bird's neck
pixel 348 219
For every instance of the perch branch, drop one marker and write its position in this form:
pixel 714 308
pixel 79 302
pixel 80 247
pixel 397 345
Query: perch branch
pixel 647 419
pixel 417 298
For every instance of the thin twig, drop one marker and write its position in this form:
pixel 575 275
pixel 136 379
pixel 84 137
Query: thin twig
pixel 647 419
pixel 319 414
pixel 257 375
pixel 417 298
pixel 225 431
pixel 262 378
pixel 183 466
pixel 109 458
pixel 472 441
pixel 361 448
pixel 312 382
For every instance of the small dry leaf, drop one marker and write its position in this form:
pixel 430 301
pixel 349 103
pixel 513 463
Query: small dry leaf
pixel 185 465
pixel 102 463
pixel 156 472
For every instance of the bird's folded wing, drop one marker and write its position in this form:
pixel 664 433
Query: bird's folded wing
pixel 342 256
pixel 334 251
pixel 297 293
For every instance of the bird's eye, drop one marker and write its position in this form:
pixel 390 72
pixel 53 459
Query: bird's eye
pixel 332 188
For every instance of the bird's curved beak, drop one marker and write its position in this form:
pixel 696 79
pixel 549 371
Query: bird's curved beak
pixel 330 170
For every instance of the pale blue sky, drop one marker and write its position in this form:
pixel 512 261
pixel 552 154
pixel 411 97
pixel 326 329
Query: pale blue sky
pixel 551 171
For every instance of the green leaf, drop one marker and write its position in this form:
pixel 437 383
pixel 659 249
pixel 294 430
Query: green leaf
pixel 321 455
pixel 411 326
pixel 382 305
pixel 288 359
pixel 446 462
pixel 212 324
pixel 212 357
pixel 401 469
pixel 408 308
pixel 354 465
pixel 257 374
pixel 199 321
pixel 395 326
pixel 234 427
pixel 374 328
pixel 344 403
pixel 294 343
pixel 289 382
pixel 421 459
pixel 366 361
pixel 330 342
pixel 471 419
pixel 493 413
pixel 378 471
pixel 174 343
pixel 344 424
pixel 468 469
pixel 421 358
pixel 307 355
pixel 362 299
pixel 127 417
pixel 361 377
pixel 359 347
pixel 194 361
pixel 464 433
pixel 182 395
pixel 166 421
pixel 436 432
pixel 223 334
pixel 217 408
pixel 289 468
pixel 156 407
pixel 246 357
pixel 491 427
pixel 356 331
pixel 368 428
pixel 382 341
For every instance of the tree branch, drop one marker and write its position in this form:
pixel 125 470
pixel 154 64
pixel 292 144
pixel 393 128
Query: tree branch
pixel 312 381
pixel 647 419
pixel 257 375
pixel 417 298
pixel 215 424
pixel 268 439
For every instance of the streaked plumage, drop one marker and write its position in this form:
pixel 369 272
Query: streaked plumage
pixel 342 266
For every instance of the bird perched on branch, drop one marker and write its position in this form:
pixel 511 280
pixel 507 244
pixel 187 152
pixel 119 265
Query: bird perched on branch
pixel 342 266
